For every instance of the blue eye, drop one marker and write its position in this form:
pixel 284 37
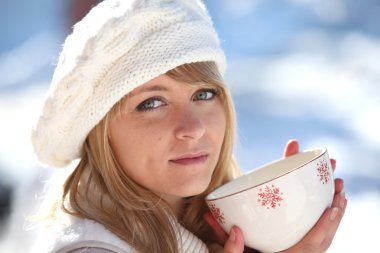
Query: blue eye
pixel 207 94
pixel 149 104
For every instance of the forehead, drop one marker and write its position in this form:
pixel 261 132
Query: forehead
pixel 164 83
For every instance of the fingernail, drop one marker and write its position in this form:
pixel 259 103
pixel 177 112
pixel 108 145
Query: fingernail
pixel 232 235
pixel 333 213
pixel 342 199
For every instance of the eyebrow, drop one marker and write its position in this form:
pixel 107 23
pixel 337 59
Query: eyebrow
pixel 156 87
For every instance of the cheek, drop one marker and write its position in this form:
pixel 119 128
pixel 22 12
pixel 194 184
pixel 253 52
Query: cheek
pixel 217 124
pixel 134 151
pixel 135 145
pixel 124 143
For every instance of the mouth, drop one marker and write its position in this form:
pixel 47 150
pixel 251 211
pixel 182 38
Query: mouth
pixel 190 159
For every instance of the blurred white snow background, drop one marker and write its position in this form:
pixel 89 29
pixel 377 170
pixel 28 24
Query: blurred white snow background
pixel 302 69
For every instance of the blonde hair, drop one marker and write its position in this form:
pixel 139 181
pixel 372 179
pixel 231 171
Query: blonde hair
pixel 99 189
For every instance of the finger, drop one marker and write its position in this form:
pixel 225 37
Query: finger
pixel 335 216
pixel 291 148
pixel 339 199
pixel 235 242
pixel 333 163
pixel 339 185
pixel 221 236
pixel 321 236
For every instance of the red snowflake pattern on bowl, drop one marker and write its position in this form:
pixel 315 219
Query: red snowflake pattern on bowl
pixel 323 172
pixel 270 197
pixel 218 215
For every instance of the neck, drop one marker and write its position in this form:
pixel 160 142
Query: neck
pixel 175 203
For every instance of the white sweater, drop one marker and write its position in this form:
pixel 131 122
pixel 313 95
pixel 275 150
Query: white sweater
pixel 83 233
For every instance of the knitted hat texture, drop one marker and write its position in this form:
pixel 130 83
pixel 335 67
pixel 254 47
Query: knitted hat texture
pixel 118 46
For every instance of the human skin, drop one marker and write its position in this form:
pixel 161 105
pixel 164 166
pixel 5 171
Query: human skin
pixel 169 136
pixel 319 238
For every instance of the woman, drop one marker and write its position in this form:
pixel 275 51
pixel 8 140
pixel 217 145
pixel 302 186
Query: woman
pixel 138 97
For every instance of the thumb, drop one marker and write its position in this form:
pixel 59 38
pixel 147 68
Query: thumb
pixel 221 236
pixel 291 148
pixel 235 241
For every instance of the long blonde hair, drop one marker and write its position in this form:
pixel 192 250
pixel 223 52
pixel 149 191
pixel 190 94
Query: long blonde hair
pixel 99 189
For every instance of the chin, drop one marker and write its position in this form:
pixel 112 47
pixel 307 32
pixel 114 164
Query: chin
pixel 191 185
pixel 192 191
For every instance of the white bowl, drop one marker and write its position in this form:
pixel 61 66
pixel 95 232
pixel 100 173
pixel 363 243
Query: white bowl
pixel 278 203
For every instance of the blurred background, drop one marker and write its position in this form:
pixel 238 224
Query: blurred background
pixel 304 69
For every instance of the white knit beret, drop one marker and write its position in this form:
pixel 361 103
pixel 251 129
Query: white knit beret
pixel 118 46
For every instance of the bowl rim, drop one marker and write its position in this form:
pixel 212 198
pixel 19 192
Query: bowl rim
pixel 323 152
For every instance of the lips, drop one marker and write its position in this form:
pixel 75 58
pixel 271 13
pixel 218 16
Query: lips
pixel 190 159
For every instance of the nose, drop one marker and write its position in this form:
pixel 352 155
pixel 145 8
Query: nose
pixel 189 124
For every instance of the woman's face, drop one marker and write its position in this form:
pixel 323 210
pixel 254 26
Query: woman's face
pixel 169 136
